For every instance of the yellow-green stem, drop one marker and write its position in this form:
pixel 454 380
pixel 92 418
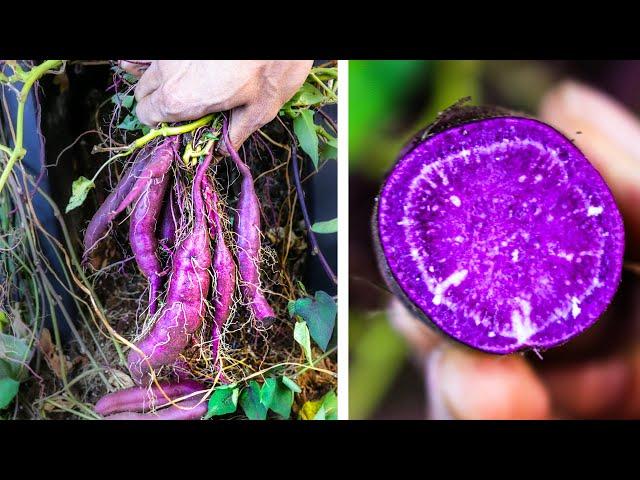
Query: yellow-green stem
pixel 330 92
pixel 167 131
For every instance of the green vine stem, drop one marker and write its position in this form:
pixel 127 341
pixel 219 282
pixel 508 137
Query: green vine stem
pixel 29 79
pixel 164 131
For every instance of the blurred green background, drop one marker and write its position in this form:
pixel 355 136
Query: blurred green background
pixel 389 101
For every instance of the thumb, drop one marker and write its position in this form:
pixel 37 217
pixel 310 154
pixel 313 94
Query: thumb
pixel 475 385
pixel 134 67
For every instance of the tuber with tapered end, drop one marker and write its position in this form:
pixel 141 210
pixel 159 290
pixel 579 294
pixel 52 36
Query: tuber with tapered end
pixel 188 288
pixel 248 244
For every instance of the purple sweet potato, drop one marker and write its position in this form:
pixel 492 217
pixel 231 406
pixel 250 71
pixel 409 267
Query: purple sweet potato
pixel 188 287
pixel 101 221
pixel 142 399
pixel 496 229
pixel 223 265
pixel 247 227
pixel 142 236
pixel 155 169
pixel 191 410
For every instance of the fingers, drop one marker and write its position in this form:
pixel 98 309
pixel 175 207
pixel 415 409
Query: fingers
pixel 474 385
pixel 134 67
pixel 245 120
pixel 149 83
pixel 594 389
pixel 466 384
pixel 609 138
pixel 149 109
pixel 631 403
pixel 605 389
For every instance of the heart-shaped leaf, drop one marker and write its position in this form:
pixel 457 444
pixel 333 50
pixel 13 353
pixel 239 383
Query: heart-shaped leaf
pixel 223 400
pixel 276 396
pixel 251 404
pixel 319 315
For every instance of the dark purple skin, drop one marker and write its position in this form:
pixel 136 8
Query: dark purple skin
pixel 142 236
pixel 188 288
pixel 500 233
pixel 223 266
pixel 141 399
pixel 101 221
pixel 247 227
pixel 168 222
pixel 155 169
pixel 191 410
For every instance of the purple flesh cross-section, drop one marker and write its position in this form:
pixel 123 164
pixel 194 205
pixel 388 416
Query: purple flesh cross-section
pixel 502 234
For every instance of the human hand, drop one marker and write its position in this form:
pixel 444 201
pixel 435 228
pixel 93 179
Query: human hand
pixel 254 90
pixel 467 384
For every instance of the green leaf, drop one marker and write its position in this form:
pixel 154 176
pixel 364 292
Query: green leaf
pixel 8 390
pixel 130 78
pixel 328 148
pixel 319 315
pixel 301 335
pixel 268 390
pixel 251 404
pixel 130 123
pixel 305 130
pixel 329 408
pixel 14 352
pixel 125 100
pixel 307 96
pixel 6 369
pixel 328 152
pixel 281 400
pixel 290 384
pixel 4 319
pixel 277 397
pixel 223 400
pixel 328 226
pixel 79 190
pixel 291 307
